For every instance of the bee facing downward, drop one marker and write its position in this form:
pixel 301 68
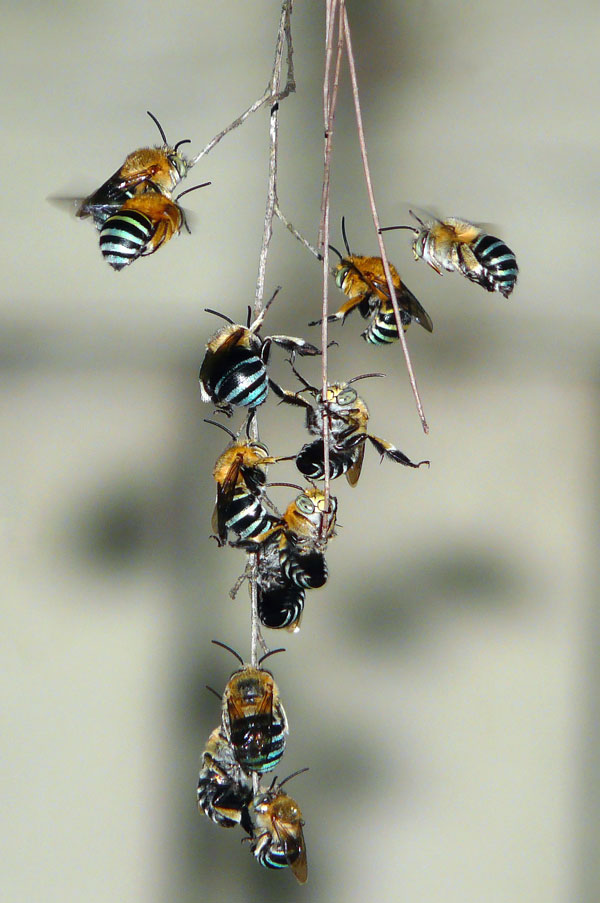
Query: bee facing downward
pixel 161 168
pixel 274 821
pixel 224 790
pixel 455 245
pixel 142 225
pixel 363 280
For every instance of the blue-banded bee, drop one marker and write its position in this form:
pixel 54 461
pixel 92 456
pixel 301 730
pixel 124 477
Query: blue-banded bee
pixel 455 245
pixel 141 226
pixel 224 789
pixel 240 474
pixel 158 168
pixel 234 369
pixel 348 417
pixel 274 821
pixel 363 280
pixel 291 558
pixel 253 718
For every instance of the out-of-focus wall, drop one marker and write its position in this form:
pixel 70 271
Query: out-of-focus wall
pixel 444 686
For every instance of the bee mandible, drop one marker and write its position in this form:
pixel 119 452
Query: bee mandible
pixel 458 246
pixel 160 168
pixel 363 280
pixel 274 821
pixel 253 718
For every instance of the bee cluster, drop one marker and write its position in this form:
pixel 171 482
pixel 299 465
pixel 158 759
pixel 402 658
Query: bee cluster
pixel 135 214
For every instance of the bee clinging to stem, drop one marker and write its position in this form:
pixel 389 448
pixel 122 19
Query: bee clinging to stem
pixel 234 369
pixel 348 417
pixel 142 225
pixel 363 280
pixel 274 821
pixel 253 718
pixel 224 789
pixel 158 168
pixel 458 246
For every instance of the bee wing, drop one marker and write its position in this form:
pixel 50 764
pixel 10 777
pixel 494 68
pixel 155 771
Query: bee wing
pixel 387 450
pixel 406 301
pixel 211 360
pixel 290 842
pixel 353 473
pixel 225 491
pixel 266 705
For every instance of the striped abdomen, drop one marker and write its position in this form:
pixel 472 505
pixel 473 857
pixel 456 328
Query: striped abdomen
pixel 240 378
pixel 124 237
pixel 308 570
pixel 383 328
pixel 310 461
pixel 280 604
pixel 246 515
pixel 258 741
pixel 499 265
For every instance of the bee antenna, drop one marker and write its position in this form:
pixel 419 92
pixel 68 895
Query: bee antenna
pixel 418 218
pixel 195 188
pixel 353 380
pixel 185 141
pixel 345 237
pixel 267 654
pixel 229 649
pixel 293 775
pixel 209 310
pixel 410 228
pixel 335 250
pixel 222 427
pixel 212 690
pixel 249 317
pixel 291 485
pixel 158 126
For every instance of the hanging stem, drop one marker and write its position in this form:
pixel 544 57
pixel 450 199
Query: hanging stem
pixel 386 266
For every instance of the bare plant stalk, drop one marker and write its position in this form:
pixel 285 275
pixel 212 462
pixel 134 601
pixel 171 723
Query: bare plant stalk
pixel 274 94
pixel 294 231
pixel 330 92
pixel 386 266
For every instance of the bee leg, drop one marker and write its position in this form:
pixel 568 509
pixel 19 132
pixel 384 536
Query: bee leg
pixel 295 345
pixel 236 586
pixel 387 450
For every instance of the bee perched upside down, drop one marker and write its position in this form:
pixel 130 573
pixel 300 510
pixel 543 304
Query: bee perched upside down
pixel 158 168
pixel 253 719
pixel 234 369
pixel 363 280
pixel 274 821
pixel 224 789
pixel 458 246
pixel 348 417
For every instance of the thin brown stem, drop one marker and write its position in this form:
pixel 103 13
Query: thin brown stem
pixel 283 219
pixel 386 266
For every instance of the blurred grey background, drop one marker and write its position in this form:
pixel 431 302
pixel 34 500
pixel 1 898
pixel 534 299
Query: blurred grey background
pixel 444 686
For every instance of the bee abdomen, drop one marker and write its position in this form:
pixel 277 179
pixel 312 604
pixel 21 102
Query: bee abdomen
pixel 280 606
pixel 310 461
pixel 308 571
pixel 244 381
pixel 499 264
pixel 124 237
pixel 223 804
pixel 273 856
pixel 258 742
pixel 247 516
pixel 383 328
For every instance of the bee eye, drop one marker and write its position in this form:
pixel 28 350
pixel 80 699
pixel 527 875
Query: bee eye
pixel 347 396
pixel 304 504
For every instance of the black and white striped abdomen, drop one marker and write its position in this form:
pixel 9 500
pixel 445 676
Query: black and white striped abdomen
pixel 279 605
pixel 246 515
pixel 124 237
pixel 258 741
pixel 498 263
pixel 240 379
pixel 307 570
pixel 273 856
pixel 310 461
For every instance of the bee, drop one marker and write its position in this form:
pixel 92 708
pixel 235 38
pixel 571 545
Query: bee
pixel 141 226
pixel 234 369
pixel 455 245
pixel 280 602
pixel 274 821
pixel 158 168
pixel 363 280
pixel 240 474
pixel 253 718
pixel 348 417
pixel 224 789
